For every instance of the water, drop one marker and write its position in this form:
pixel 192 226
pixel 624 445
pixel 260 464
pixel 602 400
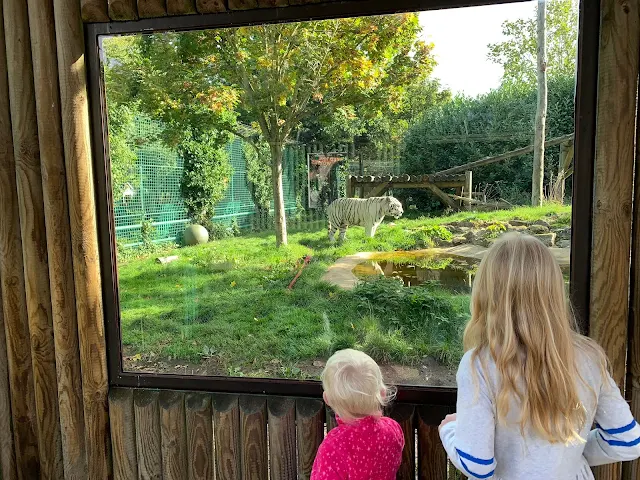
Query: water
pixel 452 273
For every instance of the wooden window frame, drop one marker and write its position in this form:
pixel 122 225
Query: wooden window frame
pixel 585 114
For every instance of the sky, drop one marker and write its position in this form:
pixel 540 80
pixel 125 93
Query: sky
pixel 461 36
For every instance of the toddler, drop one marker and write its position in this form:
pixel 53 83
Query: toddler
pixel 365 445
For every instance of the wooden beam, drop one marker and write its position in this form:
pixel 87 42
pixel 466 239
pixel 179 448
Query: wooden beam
pixel 226 421
pixel 505 156
pixel 58 236
pixel 253 435
pixel 199 436
pixel 242 4
pixel 443 197
pixel 467 190
pixel 210 6
pixel 613 186
pixel 22 394
pixel 432 458
pixel 122 10
pixel 7 452
pixel 174 435
pixel 148 436
pixel 310 432
pixel 377 190
pixel 152 8
pixel 123 434
pixel 404 415
pixel 34 245
pixel 282 438
pixel 94 11
pixel 181 7
pixel 84 234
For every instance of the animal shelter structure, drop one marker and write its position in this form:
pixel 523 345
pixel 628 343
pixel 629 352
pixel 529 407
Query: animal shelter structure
pixel 69 410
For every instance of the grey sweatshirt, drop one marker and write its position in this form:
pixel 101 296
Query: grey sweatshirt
pixel 483 449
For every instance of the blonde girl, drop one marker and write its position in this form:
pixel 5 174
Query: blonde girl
pixel 365 445
pixel 529 386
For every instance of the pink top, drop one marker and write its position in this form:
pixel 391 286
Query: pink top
pixel 369 449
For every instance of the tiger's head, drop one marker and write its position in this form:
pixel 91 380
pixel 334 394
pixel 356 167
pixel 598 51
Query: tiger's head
pixel 393 207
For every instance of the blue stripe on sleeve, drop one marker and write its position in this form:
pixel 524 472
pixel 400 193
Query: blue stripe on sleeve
pixel 476 475
pixel 619 443
pixel 479 461
pixel 615 431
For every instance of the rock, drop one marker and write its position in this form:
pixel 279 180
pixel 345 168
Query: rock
pixel 516 228
pixel 563 233
pixel 458 240
pixel 462 224
pixel 471 236
pixel 563 243
pixel 455 229
pixel 538 229
pixel 541 222
pixel 485 242
pixel 549 239
pixel 519 223
pixel 165 260
pixel 195 235
pixel 318 364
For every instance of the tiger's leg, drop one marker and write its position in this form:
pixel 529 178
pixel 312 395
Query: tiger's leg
pixel 343 232
pixel 369 230
pixel 332 232
pixel 373 229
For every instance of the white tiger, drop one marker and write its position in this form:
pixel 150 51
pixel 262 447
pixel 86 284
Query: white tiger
pixel 365 212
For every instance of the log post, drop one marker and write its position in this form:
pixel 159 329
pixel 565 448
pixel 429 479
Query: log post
pixel 468 188
pixel 148 436
pixel 84 233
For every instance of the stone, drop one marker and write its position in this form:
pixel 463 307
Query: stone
pixel 549 239
pixel 563 243
pixel 563 233
pixel 458 240
pixel 516 228
pixel 463 224
pixel 471 236
pixel 195 235
pixel 538 229
pixel 541 222
pixel 518 223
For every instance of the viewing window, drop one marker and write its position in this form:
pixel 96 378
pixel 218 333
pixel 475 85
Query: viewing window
pixel 229 150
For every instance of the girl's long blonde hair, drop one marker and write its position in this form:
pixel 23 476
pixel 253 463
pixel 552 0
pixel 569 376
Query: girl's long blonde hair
pixel 521 317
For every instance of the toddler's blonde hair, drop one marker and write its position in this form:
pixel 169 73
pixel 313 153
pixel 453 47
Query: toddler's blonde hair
pixel 353 385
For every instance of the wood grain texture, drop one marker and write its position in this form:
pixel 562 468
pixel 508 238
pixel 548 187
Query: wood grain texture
pixel 210 6
pixel 226 424
pixel 174 436
pixel 121 10
pixel 152 8
pixel 613 189
pixel 404 415
pixel 94 11
pixel 7 453
pixel 181 7
pixel 123 434
pixel 242 4
pixel 34 244
pixel 282 438
pixel 148 436
pixel 84 235
pixel 272 3
pixel 199 418
pixel 331 419
pixel 310 432
pixel 23 410
pixel 58 236
pixel 432 458
pixel 253 432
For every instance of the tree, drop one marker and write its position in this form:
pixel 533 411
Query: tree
pixel 518 53
pixel 541 112
pixel 271 77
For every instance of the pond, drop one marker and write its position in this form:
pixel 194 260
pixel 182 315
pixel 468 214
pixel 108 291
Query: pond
pixel 453 273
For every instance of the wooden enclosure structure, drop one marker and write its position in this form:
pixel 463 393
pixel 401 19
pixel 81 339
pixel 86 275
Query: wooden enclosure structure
pixel 66 413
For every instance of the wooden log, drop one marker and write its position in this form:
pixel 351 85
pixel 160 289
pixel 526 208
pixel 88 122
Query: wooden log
pixel 84 234
pixel 165 260
pixel 199 436
pixel 123 434
pixel 152 8
pixel 122 10
pixel 242 4
pixel 94 11
pixel 331 419
pixel 282 438
pixel 378 190
pixel 443 197
pixel 504 156
pixel 148 436
pixel 432 458
pixel 404 415
pixel 253 431
pixel 22 395
pixel 468 186
pixel 174 435
pixel 613 186
pixel 272 3
pixel 58 237
pixel 7 453
pixel 181 7
pixel 210 6
pixel 34 244
pixel 310 432
pixel 226 421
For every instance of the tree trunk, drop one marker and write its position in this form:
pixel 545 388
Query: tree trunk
pixel 278 194
pixel 541 114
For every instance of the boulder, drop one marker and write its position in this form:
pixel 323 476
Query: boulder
pixel 516 228
pixel 458 240
pixel 195 235
pixel 541 222
pixel 538 229
pixel 519 223
pixel 463 224
pixel 563 233
pixel 549 239
pixel 563 243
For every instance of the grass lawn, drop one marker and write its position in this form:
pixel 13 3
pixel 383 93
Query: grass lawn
pixel 225 306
